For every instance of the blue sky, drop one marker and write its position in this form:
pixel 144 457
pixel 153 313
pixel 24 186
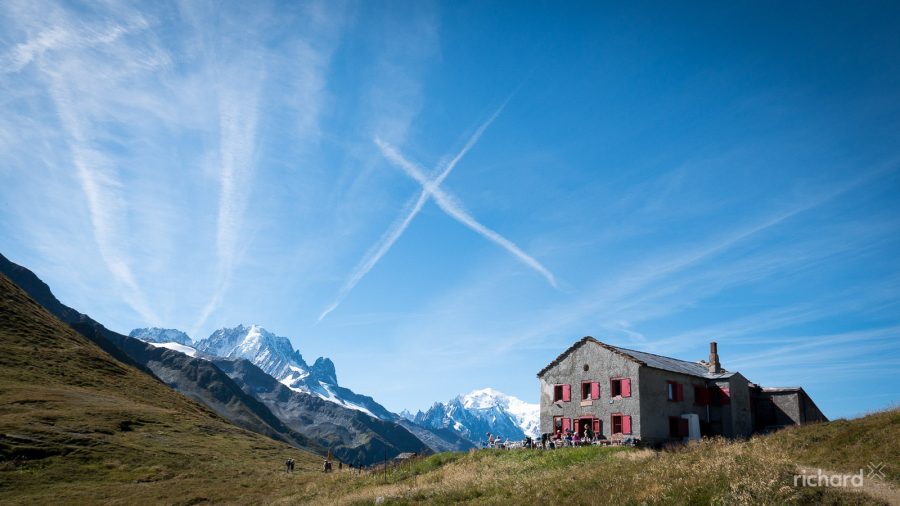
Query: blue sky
pixel 444 196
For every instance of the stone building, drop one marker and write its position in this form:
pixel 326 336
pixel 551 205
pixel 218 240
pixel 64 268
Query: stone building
pixel 619 392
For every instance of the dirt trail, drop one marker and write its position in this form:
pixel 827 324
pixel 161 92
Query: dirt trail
pixel 874 487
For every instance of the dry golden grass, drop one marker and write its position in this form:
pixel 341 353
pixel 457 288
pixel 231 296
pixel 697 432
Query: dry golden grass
pixel 713 471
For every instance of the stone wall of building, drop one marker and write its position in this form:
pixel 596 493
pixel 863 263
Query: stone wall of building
pixel 740 413
pixel 602 365
pixel 656 408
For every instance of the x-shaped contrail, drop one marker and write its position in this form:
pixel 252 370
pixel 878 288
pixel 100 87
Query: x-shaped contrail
pixel 432 188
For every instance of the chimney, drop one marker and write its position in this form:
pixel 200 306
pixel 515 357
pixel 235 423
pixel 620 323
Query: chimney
pixel 714 366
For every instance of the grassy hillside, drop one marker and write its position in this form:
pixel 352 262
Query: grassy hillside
pixel 77 425
pixel 712 472
pixel 848 445
pixel 715 471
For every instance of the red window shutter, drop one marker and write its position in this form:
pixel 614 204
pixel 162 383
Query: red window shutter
pixel 595 390
pixel 683 427
pixel 566 424
pixel 701 397
pixel 567 393
pixel 626 387
pixel 679 392
pixel 626 424
pixel 596 426
pixel 726 395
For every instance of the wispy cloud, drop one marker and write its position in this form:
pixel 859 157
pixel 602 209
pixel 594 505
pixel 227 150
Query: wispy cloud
pixel 97 174
pixel 430 188
pixel 239 111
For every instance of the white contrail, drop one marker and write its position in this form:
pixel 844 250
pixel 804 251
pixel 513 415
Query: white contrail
pixel 238 114
pixel 390 237
pixel 96 173
pixel 448 204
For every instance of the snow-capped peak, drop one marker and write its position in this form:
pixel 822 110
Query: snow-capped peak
pixel 158 335
pixel 527 415
pixel 272 353
pixel 484 410
pixel 277 357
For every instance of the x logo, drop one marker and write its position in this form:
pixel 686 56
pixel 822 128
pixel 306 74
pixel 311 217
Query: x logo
pixel 877 470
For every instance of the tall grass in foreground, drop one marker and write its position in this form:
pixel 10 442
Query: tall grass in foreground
pixel 713 471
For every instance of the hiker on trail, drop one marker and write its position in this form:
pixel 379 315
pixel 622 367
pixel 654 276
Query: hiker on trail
pixel 340 465
pixel 289 465
pixel 490 439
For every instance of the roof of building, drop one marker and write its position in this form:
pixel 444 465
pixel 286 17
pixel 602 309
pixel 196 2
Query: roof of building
pixel 782 389
pixel 645 359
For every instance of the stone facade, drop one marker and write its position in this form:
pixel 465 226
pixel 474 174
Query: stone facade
pixel 662 390
pixel 779 407
pixel 602 367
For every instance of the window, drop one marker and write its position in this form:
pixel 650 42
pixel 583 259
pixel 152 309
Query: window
pixel 621 424
pixel 725 394
pixel 719 396
pixel 590 390
pixel 561 424
pixel 674 391
pixel 701 395
pixel 562 393
pixel 620 387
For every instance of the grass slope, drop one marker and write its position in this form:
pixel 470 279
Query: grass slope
pixel 77 425
pixel 848 445
pixel 714 471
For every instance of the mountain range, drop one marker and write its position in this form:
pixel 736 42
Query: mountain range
pixel 256 380
pixel 457 424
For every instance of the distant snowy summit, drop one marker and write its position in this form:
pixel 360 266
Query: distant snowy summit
pixel 271 353
pixel 158 335
pixel 479 412
pixel 275 356
pixel 471 416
